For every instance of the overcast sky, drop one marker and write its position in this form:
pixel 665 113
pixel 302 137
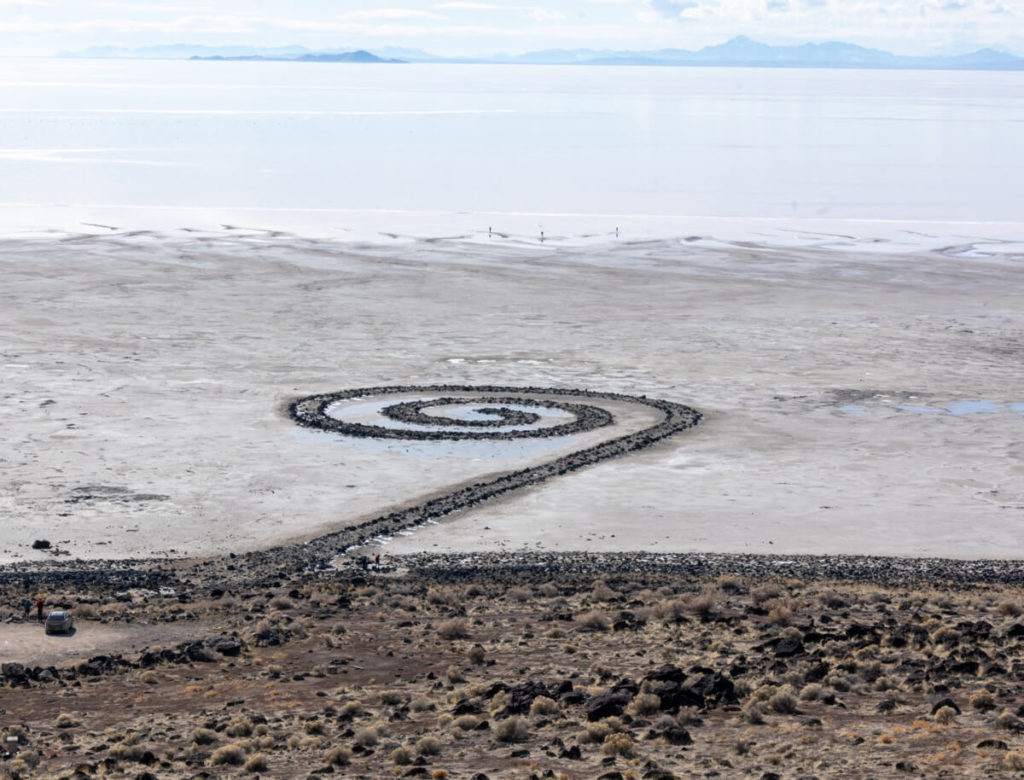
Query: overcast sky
pixel 463 27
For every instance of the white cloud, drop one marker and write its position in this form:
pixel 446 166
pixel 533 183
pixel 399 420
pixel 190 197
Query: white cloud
pixel 457 5
pixel 388 13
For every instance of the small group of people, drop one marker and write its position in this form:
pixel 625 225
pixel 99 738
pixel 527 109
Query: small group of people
pixel 27 606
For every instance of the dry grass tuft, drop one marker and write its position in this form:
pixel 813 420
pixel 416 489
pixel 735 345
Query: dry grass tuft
pixel 455 628
pixel 543 705
pixel 228 754
pixel 513 729
pixel 618 745
pixel 983 701
pixel 1009 609
pixel 476 654
pixel 945 716
pixel 645 705
pixel 1014 761
pixel 338 756
pixel 1007 720
pixel 592 621
pixel 257 762
pixel 203 736
pixel 428 746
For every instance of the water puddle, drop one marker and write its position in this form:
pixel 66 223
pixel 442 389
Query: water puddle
pixel 973 407
pixel 957 408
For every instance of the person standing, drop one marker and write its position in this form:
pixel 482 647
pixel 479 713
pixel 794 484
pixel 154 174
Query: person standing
pixel 27 606
pixel 39 609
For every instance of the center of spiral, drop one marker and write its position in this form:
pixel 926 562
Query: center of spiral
pixel 479 415
pixel 411 413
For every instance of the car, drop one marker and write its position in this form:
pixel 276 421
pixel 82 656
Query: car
pixel 58 622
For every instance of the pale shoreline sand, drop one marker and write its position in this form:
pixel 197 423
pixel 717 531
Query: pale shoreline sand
pixel 861 395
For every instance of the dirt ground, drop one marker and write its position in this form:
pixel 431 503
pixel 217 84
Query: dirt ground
pixel 629 676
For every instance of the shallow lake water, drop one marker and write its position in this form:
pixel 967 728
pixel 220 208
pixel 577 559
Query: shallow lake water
pixel 889 145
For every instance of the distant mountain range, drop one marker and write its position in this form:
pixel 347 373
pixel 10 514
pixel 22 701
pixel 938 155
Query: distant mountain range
pixel 738 52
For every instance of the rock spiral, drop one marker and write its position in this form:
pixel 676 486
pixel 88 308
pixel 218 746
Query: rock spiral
pixel 482 412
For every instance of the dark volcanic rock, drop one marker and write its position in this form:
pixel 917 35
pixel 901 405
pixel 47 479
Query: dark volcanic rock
pixel 666 673
pixel 716 688
pixel 604 705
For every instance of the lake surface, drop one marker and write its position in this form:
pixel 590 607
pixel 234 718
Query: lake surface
pixel 895 145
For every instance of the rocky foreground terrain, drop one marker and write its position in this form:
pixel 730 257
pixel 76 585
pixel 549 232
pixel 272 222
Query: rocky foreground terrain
pixel 527 668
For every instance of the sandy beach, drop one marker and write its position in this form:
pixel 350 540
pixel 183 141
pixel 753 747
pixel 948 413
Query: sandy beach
pixel 858 397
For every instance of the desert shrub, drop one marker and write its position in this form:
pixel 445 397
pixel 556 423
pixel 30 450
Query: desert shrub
pixel 443 595
pixel 983 700
pixel 204 736
pixel 338 756
pixel 945 636
pixel 765 593
pixel 753 714
pixel 729 584
pixel 618 745
pixel 366 736
pixel 65 721
pixel 704 603
pixel 811 692
pixel 521 595
pixel 476 654
pixel 832 600
pixel 671 611
pixel 602 592
pixel 391 698
pixel 548 590
pixel 127 752
pixel 1014 761
pixel 428 746
pixel 351 709
pixel 592 621
pixel 313 726
pixel 30 757
pixel 454 674
pixel 945 716
pixel 1007 720
pixel 645 704
pixel 513 729
pixel 281 602
pixel 884 683
pixel 422 704
pixel 228 754
pixel 838 682
pixel 257 762
pixel 596 731
pixel 781 613
pixel 687 716
pixel 150 678
pixel 455 628
pixel 543 705
pixel 466 722
pixel 1009 609
pixel 239 727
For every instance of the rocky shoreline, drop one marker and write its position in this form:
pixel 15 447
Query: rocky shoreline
pixel 256 569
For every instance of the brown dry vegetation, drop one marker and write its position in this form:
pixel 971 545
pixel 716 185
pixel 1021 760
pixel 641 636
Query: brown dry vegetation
pixel 382 675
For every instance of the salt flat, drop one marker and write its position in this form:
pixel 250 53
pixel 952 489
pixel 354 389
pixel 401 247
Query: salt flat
pixel 854 401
